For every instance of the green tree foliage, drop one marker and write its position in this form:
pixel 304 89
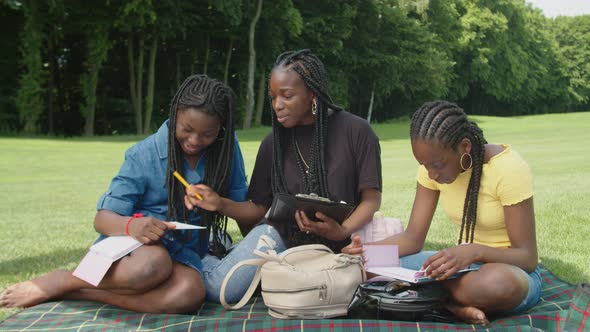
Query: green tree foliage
pixel 398 61
pixel 77 68
pixel 505 58
pixel 573 37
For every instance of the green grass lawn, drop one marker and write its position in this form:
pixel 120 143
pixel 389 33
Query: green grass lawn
pixel 49 188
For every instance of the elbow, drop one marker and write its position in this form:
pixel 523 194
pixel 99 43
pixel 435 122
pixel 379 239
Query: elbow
pixel 97 222
pixel 531 263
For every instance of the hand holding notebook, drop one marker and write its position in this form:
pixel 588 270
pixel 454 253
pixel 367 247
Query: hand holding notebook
pixel 383 260
pixel 103 254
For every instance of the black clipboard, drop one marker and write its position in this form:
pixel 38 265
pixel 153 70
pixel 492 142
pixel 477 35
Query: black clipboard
pixel 284 207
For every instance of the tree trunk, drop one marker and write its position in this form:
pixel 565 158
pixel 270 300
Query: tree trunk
pixel 251 68
pixel 98 46
pixel 228 59
pixel 206 61
pixel 370 112
pixel 30 95
pixel 132 84
pixel 149 100
pixel 260 98
pixel 139 86
pixel 50 88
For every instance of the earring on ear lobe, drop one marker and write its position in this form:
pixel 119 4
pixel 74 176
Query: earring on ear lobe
pixel 470 161
pixel 221 134
pixel 314 107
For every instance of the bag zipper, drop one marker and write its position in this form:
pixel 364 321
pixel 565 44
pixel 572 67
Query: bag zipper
pixel 322 288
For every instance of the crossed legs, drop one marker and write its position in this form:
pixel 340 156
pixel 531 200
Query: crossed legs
pixel 147 280
pixel 495 287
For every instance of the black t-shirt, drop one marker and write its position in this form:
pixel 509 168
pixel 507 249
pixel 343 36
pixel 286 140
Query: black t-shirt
pixel 353 163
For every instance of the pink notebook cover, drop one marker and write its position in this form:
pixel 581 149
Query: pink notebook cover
pixel 381 255
pixel 92 268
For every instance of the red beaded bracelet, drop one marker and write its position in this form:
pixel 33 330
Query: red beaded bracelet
pixel 135 215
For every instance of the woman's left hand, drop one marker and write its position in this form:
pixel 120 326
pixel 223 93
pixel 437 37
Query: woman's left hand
pixel 326 227
pixel 448 261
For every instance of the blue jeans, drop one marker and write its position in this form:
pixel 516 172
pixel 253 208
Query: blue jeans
pixel 262 237
pixel 415 261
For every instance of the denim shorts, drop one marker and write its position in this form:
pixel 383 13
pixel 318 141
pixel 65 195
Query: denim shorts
pixel 416 261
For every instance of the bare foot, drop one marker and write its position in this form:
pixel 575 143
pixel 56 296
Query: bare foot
pixel 38 290
pixel 471 315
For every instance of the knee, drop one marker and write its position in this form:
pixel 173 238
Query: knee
pixel 494 289
pixel 186 296
pixel 151 272
pixel 267 237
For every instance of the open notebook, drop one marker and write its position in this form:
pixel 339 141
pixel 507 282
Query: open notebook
pixel 102 255
pixel 383 260
pixel 409 275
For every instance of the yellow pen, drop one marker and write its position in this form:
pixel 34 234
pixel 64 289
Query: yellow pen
pixel 183 181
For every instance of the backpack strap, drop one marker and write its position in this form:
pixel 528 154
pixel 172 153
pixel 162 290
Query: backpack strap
pixel 258 262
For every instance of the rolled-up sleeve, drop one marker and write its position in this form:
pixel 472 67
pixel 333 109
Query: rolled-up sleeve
pixel 126 188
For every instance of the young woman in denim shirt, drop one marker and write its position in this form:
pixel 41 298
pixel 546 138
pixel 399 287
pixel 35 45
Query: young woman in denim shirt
pixel 170 272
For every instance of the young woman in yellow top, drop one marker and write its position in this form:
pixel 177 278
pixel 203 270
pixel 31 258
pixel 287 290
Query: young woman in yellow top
pixel 486 189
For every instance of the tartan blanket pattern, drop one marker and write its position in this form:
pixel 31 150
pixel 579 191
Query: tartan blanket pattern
pixel 552 313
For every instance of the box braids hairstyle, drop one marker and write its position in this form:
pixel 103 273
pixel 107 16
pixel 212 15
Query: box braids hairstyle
pixel 448 124
pixel 313 73
pixel 214 98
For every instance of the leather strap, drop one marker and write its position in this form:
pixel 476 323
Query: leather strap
pixel 255 262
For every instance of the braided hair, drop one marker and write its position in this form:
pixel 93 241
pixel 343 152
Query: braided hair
pixel 313 73
pixel 214 98
pixel 448 124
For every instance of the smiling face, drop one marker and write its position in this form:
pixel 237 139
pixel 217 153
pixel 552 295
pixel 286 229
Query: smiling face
pixel 290 98
pixel 443 164
pixel 195 131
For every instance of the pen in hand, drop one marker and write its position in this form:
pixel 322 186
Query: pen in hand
pixel 183 181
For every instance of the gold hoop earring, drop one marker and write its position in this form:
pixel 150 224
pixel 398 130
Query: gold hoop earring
pixel 470 161
pixel 314 107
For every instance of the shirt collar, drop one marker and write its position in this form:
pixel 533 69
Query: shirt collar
pixel 162 140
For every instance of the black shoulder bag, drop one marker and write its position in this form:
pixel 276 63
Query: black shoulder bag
pixel 400 300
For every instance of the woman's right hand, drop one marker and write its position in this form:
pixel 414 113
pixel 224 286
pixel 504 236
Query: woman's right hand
pixel 211 200
pixel 148 230
pixel 355 247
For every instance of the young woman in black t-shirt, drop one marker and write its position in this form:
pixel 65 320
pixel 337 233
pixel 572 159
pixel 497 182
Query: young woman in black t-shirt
pixel 315 147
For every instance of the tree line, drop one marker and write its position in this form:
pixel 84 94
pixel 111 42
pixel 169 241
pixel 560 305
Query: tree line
pixel 103 67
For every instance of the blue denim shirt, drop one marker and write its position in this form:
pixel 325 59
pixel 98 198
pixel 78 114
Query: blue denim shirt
pixel 140 185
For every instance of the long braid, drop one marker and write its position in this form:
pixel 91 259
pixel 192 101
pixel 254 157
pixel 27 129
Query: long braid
pixel 313 73
pixel 215 98
pixel 448 124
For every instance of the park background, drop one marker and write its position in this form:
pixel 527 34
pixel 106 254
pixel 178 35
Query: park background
pixel 83 82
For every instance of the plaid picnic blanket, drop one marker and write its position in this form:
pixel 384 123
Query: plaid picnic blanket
pixel 558 310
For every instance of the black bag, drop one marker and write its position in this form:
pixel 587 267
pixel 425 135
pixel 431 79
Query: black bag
pixel 400 300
